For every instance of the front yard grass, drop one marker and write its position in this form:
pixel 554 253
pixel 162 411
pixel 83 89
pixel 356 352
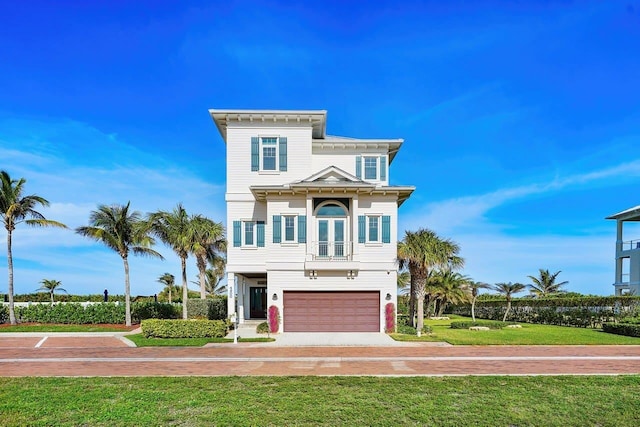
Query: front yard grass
pixel 141 341
pixel 331 401
pixel 529 334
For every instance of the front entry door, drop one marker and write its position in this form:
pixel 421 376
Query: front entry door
pixel 258 303
pixel 331 237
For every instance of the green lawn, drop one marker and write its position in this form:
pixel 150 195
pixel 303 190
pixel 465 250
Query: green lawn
pixel 141 341
pixel 63 328
pixel 332 401
pixel 529 334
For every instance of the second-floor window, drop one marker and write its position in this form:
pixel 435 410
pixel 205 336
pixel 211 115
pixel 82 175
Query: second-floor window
pixel 248 234
pixel 371 168
pixel 269 153
pixel 374 229
pixel 289 229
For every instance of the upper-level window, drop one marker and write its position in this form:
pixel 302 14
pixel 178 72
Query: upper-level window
pixel 249 232
pixel 331 209
pixel 289 228
pixel 371 168
pixel 269 153
pixel 374 229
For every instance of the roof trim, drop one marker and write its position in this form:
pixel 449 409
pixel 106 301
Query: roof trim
pixel 261 192
pixel 631 214
pixel 317 119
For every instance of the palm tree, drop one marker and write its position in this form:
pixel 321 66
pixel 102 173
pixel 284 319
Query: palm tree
pixel 475 291
pixel 404 281
pixel 208 243
pixel 51 286
pixel 215 274
pixel 169 281
pixel 175 229
pixel 508 289
pixel 451 287
pixel 124 232
pixel 422 251
pixel 545 284
pixel 15 209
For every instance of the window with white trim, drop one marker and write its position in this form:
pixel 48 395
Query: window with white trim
pixel 249 233
pixel 289 228
pixel 269 149
pixel 373 229
pixel 370 167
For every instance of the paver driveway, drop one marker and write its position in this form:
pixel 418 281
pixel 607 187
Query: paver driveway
pixel 110 356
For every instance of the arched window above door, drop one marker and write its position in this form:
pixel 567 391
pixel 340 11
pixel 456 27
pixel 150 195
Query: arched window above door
pixel 331 209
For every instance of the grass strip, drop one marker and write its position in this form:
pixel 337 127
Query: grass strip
pixel 141 341
pixel 334 401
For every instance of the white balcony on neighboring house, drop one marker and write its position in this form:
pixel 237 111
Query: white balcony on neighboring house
pixel 627 272
pixel 630 245
pixel 331 255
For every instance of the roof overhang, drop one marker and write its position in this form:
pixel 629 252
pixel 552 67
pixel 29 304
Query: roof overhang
pixel 392 146
pixel 317 119
pixel 263 192
pixel 632 214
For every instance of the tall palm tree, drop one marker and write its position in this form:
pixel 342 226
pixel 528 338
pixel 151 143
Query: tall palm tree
pixel 16 208
pixel 208 243
pixel 403 281
pixel 51 286
pixel 175 229
pixel 475 291
pixel 422 251
pixel 169 281
pixel 215 274
pixel 545 284
pixel 508 289
pixel 123 231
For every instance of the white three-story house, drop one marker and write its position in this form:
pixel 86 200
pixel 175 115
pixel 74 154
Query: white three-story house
pixel 312 222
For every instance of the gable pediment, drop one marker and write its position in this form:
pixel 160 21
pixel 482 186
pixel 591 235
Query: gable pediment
pixel 331 175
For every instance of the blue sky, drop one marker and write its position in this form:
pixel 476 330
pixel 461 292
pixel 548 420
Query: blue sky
pixel 521 120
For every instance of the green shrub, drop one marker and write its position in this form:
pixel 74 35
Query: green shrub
pixel 210 308
pixel 410 330
pixel 72 313
pixel 4 314
pixel 193 328
pixel 262 328
pixel 628 329
pixel 45 297
pixel 154 310
pixel 468 324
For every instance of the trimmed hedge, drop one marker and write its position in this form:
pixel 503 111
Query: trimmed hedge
pixel 628 329
pixel 262 328
pixel 4 314
pixel 155 310
pixel 410 330
pixel 469 324
pixel 193 328
pixel 45 297
pixel 585 312
pixel 210 308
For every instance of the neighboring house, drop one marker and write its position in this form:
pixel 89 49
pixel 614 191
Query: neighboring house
pixel 627 255
pixel 312 221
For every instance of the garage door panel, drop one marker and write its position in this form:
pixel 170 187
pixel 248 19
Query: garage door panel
pixel 331 311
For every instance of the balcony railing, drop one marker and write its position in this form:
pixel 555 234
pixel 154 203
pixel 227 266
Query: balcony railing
pixel 630 245
pixel 331 251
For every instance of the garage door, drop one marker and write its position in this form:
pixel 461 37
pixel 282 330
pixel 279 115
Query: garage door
pixel 331 311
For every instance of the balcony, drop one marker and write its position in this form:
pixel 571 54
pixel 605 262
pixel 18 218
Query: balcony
pixel 325 255
pixel 630 245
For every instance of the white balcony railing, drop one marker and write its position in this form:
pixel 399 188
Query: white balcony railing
pixel 630 245
pixel 331 251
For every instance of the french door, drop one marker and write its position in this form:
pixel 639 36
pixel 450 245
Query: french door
pixel 332 237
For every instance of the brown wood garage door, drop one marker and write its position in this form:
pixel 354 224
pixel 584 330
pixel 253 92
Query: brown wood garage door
pixel 331 311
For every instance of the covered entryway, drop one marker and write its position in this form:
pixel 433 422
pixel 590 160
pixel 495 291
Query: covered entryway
pixel 331 311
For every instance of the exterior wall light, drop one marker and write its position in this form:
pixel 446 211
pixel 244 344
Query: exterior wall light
pixel 388 297
pixel 274 297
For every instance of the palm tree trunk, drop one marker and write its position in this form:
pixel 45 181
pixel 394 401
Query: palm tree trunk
pixel 185 293
pixel 473 309
pixel 202 268
pixel 170 294
pixel 504 319
pixel 12 313
pixel 51 293
pixel 412 300
pixel 127 293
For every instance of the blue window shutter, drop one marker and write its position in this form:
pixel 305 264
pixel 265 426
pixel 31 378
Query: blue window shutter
pixel 383 168
pixel 237 234
pixel 361 228
pixel 277 228
pixel 359 167
pixel 302 229
pixel 386 228
pixel 255 153
pixel 283 154
pixel 260 232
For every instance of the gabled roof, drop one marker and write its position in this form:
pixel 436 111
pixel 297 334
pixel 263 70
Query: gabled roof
pixel 632 214
pixel 332 175
pixel 317 119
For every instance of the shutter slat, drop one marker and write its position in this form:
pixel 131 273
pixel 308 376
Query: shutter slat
pixel 361 228
pixel 359 167
pixel 383 168
pixel 283 153
pixel 260 232
pixel 277 229
pixel 386 229
pixel 302 229
pixel 255 153
pixel 237 234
